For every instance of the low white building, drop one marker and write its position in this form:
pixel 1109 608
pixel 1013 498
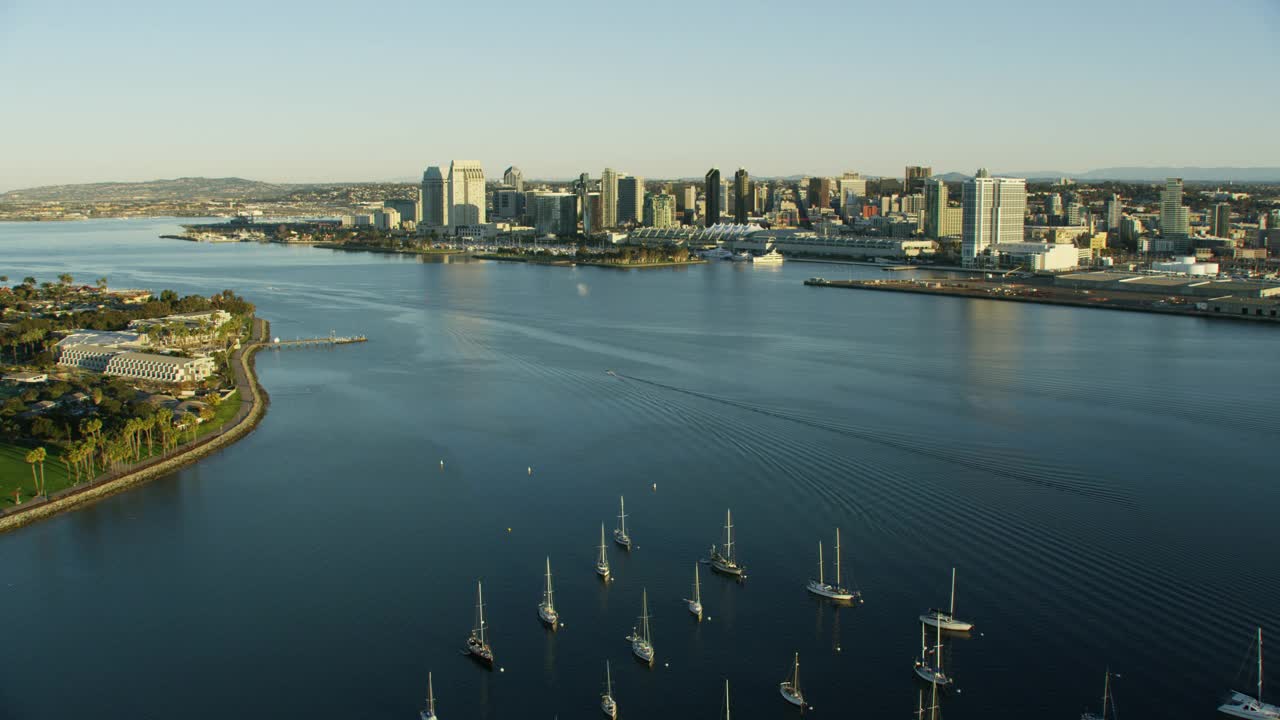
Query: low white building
pixel 1186 265
pixel 120 353
pixel 1033 256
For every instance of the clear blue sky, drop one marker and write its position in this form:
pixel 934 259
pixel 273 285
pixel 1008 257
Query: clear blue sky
pixel 293 91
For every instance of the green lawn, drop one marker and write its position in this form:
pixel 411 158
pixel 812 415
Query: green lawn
pixel 16 473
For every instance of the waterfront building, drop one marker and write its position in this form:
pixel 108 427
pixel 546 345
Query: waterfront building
pixel 994 212
pixel 386 219
pixel 121 354
pixel 914 178
pixel 935 207
pixel 1222 220
pixel 513 178
pixel 409 209
pixel 466 193
pixel 555 213
pixel 630 200
pixel 820 189
pixel 1115 210
pixel 713 197
pixel 742 196
pixel 1174 219
pixel 435 198
pixel 609 198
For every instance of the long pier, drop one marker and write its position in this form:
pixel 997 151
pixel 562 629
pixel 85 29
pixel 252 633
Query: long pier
pixel 331 339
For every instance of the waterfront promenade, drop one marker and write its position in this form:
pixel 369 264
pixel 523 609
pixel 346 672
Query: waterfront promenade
pixel 253 408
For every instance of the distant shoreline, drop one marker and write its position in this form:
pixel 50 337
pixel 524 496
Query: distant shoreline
pixel 568 262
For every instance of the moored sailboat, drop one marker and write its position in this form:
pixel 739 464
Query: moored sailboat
pixel 790 688
pixel 946 619
pixel 835 592
pixel 547 608
pixel 602 561
pixel 620 535
pixel 608 705
pixel 641 640
pixel 695 602
pixel 1242 705
pixel 477 643
pixel 1108 703
pixel 722 558
pixel 931 671
pixel 429 713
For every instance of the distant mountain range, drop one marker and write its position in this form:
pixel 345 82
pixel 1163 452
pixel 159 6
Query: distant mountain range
pixel 179 189
pixel 1145 174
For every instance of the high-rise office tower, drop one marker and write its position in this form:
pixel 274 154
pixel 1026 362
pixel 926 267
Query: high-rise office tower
pixel 1174 220
pixel 409 208
pixel 1077 213
pixel 609 198
pixel 915 177
pixel 593 214
pixel 935 207
pixel 466 193
pixel 630 200
pixel 513 178
pixel 713 191
pixel 1222 220
pixel 1115 210
pixel 994 213
pixel 435 198
pixel 742 196
pixel 820 192
pixel 851 184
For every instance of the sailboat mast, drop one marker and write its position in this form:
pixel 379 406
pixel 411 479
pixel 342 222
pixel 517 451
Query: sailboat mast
pixel 480 608
pixel 938 649
pixel 644 618
pixel 602 555
pixel 837 557
pixel 550 602
pixel 608 679
pixel 924 654
pixel 431 698
pixel 795 676
pixel 726 699
pixel 622 514
pixel 821 580
pixel 1259 664
pixel 1106 693
pixel 728 534
pixel 697 586
pixel 952 610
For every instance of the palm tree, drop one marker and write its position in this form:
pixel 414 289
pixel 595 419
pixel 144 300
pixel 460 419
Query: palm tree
pixel 101 283
pixel 36 457
pixel 65 278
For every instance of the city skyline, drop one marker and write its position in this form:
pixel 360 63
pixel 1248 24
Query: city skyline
pixel 124 93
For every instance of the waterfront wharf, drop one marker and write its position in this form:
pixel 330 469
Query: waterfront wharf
pixel 331 339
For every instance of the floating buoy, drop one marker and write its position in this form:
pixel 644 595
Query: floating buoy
pixel 666 664
pixel 441 464
pixel 655 487
pixel 530 469
pixel 502 669
pixel 508 529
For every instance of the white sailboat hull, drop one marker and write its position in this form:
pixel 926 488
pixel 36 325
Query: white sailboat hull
pixel 549 616
pixel 931 674
pixel 695 608
pixel 602 571
pixel 622 540
pixel 643 651
pixel 790 694
pixel 833 593
pixel 945 622
pixel 1246 706
pixel 608 707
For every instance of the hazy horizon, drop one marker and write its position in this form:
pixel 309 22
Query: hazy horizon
pixel 288 93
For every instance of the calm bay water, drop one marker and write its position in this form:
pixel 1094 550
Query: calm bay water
pixel 1103 481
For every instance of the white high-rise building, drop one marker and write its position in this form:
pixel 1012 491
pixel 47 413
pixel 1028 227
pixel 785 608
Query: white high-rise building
pixel 1174 220
pixel 435 198
pixel 466 193
pixel 1115 210
pixel 609 198
pixel 994 212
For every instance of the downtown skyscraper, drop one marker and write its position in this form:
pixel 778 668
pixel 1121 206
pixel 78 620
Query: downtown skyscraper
pixel 608 198
pixel 630 200
pixel 435 198
pixel 713 196
pixel 1174 219
pixel 466 193
pixel 994 213
pixel 742 196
